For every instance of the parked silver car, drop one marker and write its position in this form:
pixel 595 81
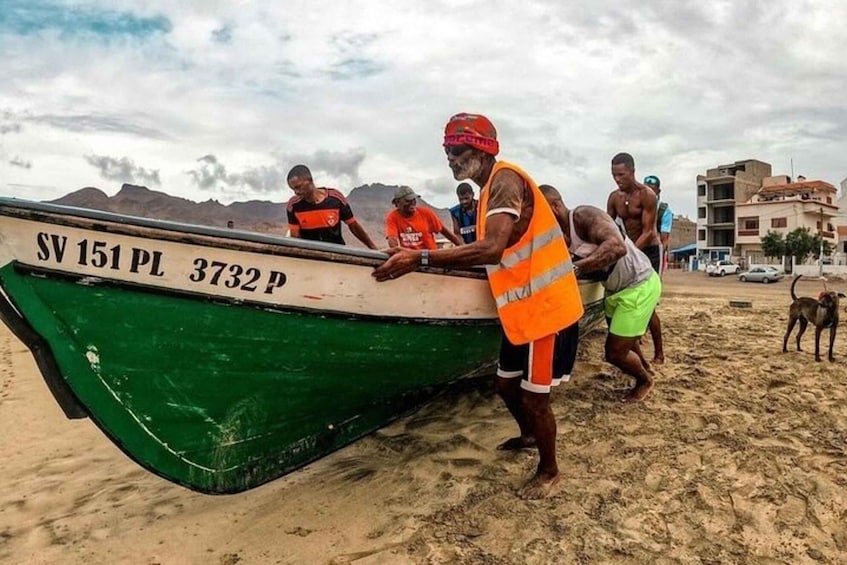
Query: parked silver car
pixel 765 275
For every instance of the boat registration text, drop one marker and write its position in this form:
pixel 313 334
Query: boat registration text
pixel 108 256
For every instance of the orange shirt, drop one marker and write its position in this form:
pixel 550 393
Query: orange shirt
pixel 415 232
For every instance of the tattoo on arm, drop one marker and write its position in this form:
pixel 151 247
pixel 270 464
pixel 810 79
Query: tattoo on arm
pixel 593 226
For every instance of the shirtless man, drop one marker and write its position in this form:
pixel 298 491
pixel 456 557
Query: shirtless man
pixel 635 206
pixel 600 251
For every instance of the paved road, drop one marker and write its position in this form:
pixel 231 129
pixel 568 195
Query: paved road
pixel 681 283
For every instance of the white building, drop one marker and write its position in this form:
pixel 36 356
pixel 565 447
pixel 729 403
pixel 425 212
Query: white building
pixel 783 206
pixel 739 203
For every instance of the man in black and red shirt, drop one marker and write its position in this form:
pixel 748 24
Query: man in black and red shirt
pixel 317 213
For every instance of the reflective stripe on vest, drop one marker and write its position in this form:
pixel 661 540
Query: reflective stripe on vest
pixel 525 251
pixel 533 285
pixel 538 283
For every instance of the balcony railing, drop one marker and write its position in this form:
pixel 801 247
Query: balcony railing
pixel 748 232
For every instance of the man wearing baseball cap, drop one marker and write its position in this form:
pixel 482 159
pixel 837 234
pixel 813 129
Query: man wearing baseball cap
pixel 531 277
pixel 664 222
pixel 411 227
pixel 664 219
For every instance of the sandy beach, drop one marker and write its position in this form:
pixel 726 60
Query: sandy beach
pixel 738 456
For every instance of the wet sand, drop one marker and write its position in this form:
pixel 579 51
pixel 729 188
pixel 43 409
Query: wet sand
pixel 738 456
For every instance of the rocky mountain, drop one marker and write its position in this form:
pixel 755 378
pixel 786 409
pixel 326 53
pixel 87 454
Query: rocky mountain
pixel 370 203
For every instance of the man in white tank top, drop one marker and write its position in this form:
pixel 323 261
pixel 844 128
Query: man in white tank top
pixel 602 251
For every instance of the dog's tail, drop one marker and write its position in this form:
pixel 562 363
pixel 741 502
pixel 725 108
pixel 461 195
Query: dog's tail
pixel 797 278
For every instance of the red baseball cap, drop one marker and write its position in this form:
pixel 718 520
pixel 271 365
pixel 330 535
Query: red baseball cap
pixel 472 129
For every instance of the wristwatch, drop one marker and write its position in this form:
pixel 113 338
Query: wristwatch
pixel 576 271
pixel 425 258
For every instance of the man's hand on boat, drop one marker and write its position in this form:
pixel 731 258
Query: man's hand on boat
pixel 402 261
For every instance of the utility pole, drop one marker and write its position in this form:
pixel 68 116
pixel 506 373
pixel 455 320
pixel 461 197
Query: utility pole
pixel 820 252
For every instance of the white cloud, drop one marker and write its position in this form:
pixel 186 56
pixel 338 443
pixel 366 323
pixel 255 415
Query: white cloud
pixel 123 170
pixel 360 91
pixel 18 162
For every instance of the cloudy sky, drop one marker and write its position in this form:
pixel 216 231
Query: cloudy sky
pixel 214 99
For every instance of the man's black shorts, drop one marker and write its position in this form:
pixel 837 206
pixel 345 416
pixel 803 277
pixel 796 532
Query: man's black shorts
pixel 514 358
pixel 654 253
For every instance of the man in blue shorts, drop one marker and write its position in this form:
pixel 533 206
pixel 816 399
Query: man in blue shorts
pixel 602 251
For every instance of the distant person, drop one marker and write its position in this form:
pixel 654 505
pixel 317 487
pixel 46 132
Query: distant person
pixel 633 206
pixel 411 227
pixel 664 220
pixel 317 213
pixel 602 252
pixel 463 214
pixel 230 224
pixel 530 275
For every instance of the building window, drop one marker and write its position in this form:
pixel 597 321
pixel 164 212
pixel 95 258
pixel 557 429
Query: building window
pixel 830 227
pixel 701 212
pixel 779 222
pixel 829 199
pixel 723 215
pixel 748 225
pixel 725 191
pixel 701 190
pixel 701 235
pixel 723 238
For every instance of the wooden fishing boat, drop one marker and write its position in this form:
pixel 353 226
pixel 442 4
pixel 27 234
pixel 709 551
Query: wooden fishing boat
pixel 221 359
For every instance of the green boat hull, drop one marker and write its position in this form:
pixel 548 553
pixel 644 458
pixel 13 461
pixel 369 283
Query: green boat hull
pixel 222 397
pixel 221 360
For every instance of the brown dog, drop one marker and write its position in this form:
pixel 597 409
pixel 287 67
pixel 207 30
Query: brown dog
pixel 822 313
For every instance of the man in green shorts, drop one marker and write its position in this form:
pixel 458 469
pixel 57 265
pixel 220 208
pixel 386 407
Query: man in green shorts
pixel 601 251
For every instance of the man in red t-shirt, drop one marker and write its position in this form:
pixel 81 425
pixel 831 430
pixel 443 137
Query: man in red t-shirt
pixel 411 227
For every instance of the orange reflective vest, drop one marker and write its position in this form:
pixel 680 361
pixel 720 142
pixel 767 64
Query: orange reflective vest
pixel 534 285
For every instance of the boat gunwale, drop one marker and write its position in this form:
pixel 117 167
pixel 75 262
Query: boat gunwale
pixel 90 280
pixel 206 236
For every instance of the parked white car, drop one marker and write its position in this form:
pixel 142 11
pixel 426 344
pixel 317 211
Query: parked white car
pixel 722 268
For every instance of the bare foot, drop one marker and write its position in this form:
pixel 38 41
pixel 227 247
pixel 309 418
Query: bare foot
pixel 659 360
pixel 539 486
pixel 639 392
pixel 515 443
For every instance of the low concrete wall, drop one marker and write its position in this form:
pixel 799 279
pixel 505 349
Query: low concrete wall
pixel 815 270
